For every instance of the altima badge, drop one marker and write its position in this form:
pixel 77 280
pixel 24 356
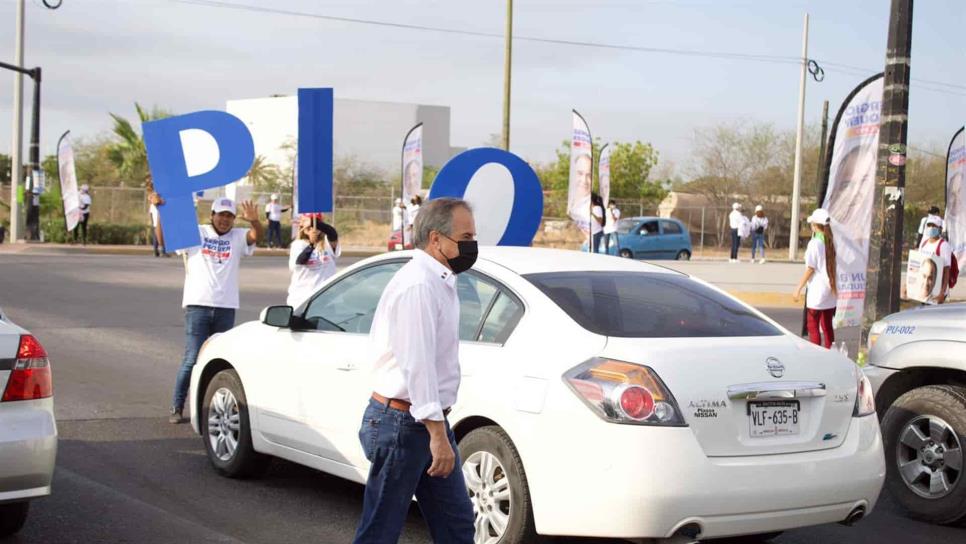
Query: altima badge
pixel 775 367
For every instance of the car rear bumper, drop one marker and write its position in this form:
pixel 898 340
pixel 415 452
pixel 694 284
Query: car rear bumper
pixel 28 449
pixel 650 484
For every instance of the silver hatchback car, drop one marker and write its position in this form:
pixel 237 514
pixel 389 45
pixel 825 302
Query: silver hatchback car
pixel 917 366
pixel 28 432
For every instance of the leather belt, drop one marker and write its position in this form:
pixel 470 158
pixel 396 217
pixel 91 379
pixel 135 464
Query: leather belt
pixel 397 404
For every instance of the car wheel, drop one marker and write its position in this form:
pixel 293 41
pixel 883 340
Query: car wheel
pixel 498 488
pixel 684 255
pixel 12 517
pixel 745 539
pixel 226 428
pixel 923 433
pixel 626 253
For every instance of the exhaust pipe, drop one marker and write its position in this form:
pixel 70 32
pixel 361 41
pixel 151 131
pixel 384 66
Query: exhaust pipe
pixel 854 516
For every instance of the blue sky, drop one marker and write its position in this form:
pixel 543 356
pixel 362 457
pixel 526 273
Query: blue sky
pixel 100 56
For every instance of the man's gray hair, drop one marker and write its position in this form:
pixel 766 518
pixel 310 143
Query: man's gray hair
pixel 436 215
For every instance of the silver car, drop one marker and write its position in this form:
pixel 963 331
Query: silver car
pixel 28 433
pixel 917 366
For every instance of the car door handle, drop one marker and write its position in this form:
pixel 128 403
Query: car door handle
pixel 776 390
pixel 348 366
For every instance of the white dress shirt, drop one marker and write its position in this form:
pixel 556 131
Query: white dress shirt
pixel 415 338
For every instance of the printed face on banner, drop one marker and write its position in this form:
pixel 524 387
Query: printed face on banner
pixel 412 164
pixel 923 280
pixel 849 197
pixel 955 223
pixel 581 174
pixel 604 175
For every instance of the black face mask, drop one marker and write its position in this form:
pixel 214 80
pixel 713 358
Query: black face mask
pixel 468 252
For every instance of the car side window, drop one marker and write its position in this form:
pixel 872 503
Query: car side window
pixel 502 319
pixel 670 227
pixel 475 294
pixel 649 228
pixel 349 305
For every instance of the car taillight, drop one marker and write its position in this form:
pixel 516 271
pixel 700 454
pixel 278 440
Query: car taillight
pixel 30 377
pixel 622 392
pixel 864 399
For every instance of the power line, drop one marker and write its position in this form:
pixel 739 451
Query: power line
pixel 923 84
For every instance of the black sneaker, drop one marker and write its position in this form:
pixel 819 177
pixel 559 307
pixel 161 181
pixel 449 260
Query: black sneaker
pixel 175 417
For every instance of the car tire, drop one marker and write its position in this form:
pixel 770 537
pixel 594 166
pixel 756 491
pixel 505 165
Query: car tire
pixel 12 517
pixel 938 415
pixel 627 254
pixel 225 421
pixel 683 255
pixel 493 442
pixel 745 539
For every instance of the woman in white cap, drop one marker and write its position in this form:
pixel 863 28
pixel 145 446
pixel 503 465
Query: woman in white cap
pixel 933 244
pixel 734 220
pixel 820 270
pixel 759 224
pixel 312 258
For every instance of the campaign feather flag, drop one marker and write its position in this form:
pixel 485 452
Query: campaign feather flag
pixel 581 173
pixel 955 222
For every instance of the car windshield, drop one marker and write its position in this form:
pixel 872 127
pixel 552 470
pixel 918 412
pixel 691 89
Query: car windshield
pixel 626 225
pixel 649 305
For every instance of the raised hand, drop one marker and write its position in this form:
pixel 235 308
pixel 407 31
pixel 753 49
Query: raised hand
pixel 249 212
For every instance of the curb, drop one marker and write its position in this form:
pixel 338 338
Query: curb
pixel 767 300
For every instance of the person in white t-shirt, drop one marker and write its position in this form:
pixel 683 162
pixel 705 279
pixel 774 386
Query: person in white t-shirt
pixel 933 211
pixel 820 277
pixel 933 244
pixel 414 203
pixel 734 221
pixel 398 210
pixel 612 217
pixel 759 225
pixel 273 212
pixel 596 222
pixel 156 239
pixel 84 197
pixel 211 285
pixel 312 259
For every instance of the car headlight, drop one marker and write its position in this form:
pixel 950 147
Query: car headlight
pixel 875 331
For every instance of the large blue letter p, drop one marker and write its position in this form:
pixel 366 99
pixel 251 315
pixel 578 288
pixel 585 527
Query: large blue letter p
pixel 223 153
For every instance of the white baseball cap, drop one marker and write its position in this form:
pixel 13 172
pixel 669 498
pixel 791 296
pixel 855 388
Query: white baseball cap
pixel 274 196
pixel 223 205
pixel 84 188
pixel 934 220
pixel 759 208
pixel 736 206
pixel 820 216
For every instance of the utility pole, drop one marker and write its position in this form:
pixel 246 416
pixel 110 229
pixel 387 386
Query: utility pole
pixel 885 243
pixel 799 136
pixel 820 172
pixel 507 69
pixel 16 169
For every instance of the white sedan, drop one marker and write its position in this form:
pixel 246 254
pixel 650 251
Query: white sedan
pixel 28 432
pixel 601 397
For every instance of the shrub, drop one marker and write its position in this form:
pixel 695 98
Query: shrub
pixel 98 233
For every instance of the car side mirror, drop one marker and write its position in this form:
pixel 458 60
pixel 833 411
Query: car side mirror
pixel 277 316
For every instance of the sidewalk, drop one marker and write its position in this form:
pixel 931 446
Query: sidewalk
pixel 97 249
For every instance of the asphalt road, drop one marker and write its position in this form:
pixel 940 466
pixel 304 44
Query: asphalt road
pixel 113 328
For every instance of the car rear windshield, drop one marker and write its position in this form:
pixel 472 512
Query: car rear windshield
pixel 649 305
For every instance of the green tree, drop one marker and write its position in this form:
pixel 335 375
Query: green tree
pixel 264 176
pixel 6 165
pixel 127 152
pixel 630 172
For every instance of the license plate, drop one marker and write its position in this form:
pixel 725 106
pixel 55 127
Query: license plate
pixel 773 418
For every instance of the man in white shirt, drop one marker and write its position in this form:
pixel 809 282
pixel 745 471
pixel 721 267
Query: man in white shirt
pixel 933 244
pixel 85 208
pixel 415 338
pixel 156 240
pixel 211 285
pixel 759 225
pixel 613 216
pixel 273 212
pixel 734 220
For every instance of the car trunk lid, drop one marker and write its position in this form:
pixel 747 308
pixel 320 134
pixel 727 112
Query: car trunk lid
pixel 751 395
pixel 9 342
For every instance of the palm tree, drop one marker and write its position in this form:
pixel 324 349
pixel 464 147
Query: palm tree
pixel 263 175
pixel 128 154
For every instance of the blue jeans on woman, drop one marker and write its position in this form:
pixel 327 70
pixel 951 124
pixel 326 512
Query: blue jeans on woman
pixel 398 448
pixel 758 242
pixel 200 322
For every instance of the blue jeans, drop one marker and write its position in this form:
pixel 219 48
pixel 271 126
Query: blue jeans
pixel 595 239
pixel 735 243
pixel 200 322
pixel 398 448
pixel 758 242
pixel 274 234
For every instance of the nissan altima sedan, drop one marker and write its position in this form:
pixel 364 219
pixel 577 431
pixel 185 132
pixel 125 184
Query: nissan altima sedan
pixel 601 397
pixel 28 432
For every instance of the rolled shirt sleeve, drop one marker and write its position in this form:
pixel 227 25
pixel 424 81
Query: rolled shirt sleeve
pixel 413 341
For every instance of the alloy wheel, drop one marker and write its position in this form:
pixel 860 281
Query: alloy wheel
pixel 223 424
pixel 929 456
pixel 489 489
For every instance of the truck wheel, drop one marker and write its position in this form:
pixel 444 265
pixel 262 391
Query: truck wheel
pixel 923 434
